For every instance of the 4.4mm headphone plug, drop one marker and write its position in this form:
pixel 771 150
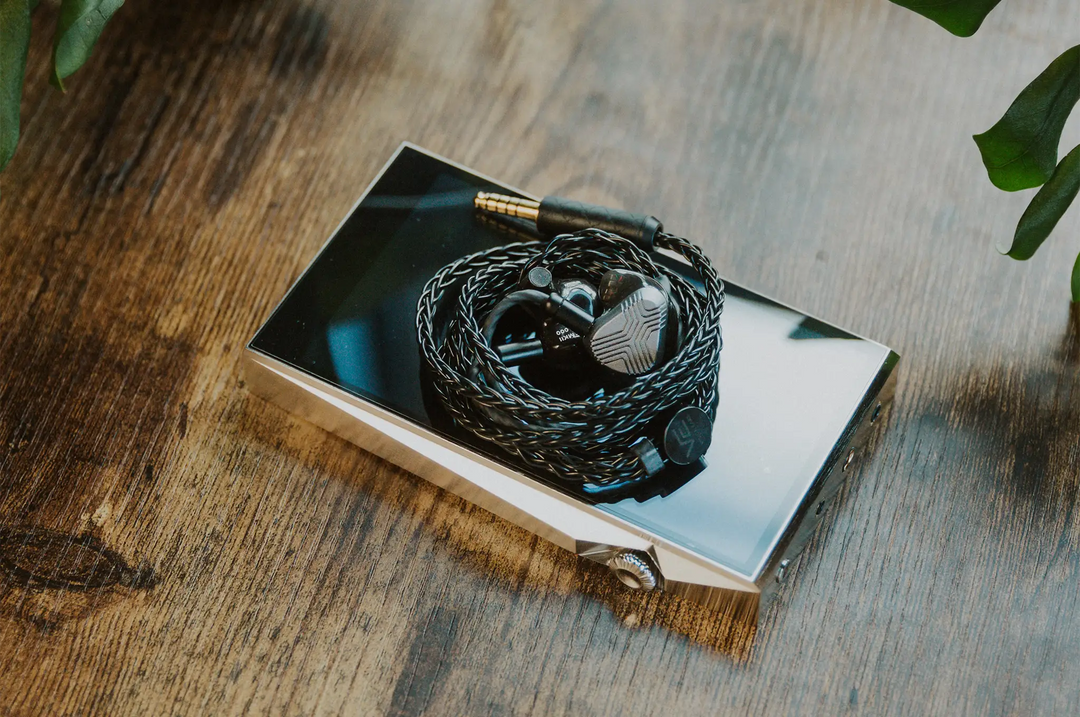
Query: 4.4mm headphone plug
pixel 557 215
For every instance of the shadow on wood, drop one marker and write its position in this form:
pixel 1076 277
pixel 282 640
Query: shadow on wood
pixel 512 559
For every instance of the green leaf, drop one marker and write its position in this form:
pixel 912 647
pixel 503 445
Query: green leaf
pixel 14 44
pixel 77 29
pixel 1076 280
pixel 1020 151
pixel 960 17
pixel 1046 208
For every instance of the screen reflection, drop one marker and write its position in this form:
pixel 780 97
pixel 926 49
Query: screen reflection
pixel 789 384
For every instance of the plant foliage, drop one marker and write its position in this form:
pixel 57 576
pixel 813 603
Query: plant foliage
pixel 14 45
pixel 1047 207
pixel 1076 280
pixel 78 27
pixel 1021 150
pixel 960 17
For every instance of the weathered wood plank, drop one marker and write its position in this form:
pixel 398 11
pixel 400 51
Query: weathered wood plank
pixel 172 545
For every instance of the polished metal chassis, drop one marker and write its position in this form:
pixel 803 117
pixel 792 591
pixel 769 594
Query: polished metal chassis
pixel 568 522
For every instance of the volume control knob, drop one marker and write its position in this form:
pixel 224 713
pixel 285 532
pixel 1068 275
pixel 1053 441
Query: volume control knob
pixel 633 571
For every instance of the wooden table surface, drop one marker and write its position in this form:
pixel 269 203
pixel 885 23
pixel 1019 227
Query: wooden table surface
pixel 170 544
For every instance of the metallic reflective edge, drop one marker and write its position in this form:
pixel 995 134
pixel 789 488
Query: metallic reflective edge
pixel 841 465
pixel 554 516
pixel 561 519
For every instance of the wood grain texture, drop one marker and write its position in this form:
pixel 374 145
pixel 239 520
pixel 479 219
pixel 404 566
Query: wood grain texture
pixel 171 545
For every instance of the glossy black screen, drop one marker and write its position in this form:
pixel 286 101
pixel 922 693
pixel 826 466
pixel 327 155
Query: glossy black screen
pixel 789 384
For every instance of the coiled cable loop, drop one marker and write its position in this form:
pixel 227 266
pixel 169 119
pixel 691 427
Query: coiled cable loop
pixel 580 442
